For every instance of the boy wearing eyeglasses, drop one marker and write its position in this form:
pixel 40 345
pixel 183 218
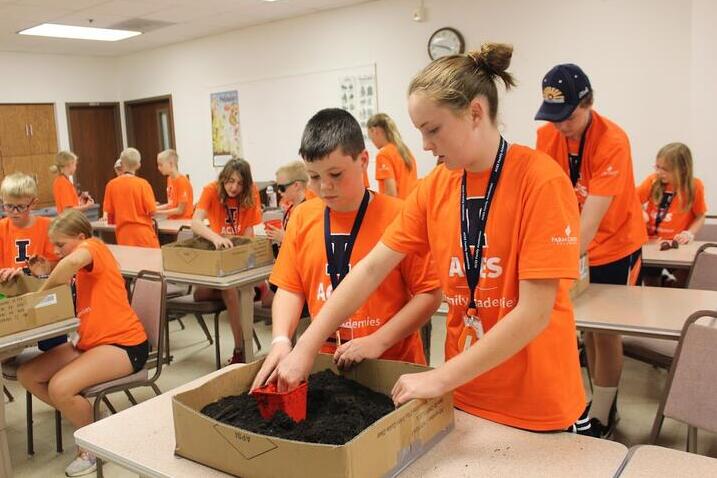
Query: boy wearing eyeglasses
pixel 25 246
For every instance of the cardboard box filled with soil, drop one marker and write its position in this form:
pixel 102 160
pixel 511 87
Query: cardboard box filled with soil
pixel 22 308
pixel 351 428
pixel 199 256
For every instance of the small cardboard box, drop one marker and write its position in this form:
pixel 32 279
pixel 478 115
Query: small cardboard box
pixel 384 449
pixel 217 263
pixel 582 283
pixel 25 309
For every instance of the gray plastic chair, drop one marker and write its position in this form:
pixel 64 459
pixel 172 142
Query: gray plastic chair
pixel 692 383
pixel 659 352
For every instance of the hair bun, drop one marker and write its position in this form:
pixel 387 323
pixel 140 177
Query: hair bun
pixel 493 57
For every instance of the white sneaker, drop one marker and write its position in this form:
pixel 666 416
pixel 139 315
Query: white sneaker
pixel 84 464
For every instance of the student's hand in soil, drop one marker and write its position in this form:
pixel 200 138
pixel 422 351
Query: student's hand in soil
pixel 278 352
pixel 355 351
pixel 222 243
pixel 276 234
pixel 39 266
pixel 292 370
pixel 423 385
pixel 9 272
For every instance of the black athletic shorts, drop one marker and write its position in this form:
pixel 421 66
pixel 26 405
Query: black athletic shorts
pixel 137 354
pixel 623 271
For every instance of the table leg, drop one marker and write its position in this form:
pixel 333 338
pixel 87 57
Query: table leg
pixel 5 466
pixel 246 301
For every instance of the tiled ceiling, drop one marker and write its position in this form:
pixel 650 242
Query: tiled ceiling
pixel 166 21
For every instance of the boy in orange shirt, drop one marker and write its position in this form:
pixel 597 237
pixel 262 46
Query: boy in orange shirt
pixel 63 190
pixel 112 341
pixel 129 203
pixel 594 152
pixel 180 198
pixel 349 220
pixel 395 166
pixel 501 224
pixel 233 208
pixel 25 246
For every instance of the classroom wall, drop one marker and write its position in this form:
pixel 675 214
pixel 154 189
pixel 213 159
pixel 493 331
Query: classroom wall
pixel 58 79
pixel 650 62
pixel 636 52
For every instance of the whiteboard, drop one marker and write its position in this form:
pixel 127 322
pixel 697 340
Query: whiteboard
pixel 274 111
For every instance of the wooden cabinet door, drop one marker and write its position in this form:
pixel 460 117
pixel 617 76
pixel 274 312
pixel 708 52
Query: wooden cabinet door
pixel 43 134
pixel 14 131
pixel 41 171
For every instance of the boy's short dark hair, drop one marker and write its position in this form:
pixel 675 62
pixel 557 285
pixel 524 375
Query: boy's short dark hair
pixel 329 129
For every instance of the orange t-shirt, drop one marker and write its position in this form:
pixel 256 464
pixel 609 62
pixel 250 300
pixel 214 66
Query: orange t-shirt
pixel 532 233
pixel 102 306
pixel 390 165
pixel 230 218
pixel 677 218
pixel 605 170
pixel 301 267
pixel 19 244
pixel 310 194
pixel 129 203
pixel 64 193
pixel 180 191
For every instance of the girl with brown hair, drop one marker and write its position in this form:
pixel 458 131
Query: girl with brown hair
pixel 395 166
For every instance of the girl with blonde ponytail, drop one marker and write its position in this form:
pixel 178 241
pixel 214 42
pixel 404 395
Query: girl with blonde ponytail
pixel 395 166
pixel 501 223
pixel 63 190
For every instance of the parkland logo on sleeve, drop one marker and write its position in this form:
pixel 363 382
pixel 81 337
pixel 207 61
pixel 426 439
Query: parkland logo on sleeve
pixel 566 239
pixel 22 246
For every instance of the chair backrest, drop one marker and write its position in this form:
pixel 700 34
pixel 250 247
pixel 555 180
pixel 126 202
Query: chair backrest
pixel 708 232
pixel 703 274
pixel 148 302
pixel 692 384
pixel 184 233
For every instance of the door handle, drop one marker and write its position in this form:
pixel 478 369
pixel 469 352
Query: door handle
pixel 31 133
pixel 27 129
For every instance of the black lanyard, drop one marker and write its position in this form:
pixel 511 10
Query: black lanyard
pixel 662 210
pixel 574 162
pixel 337 272
pixel 472 261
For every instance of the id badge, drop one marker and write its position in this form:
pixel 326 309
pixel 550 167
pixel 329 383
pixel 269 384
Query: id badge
pixel 472 331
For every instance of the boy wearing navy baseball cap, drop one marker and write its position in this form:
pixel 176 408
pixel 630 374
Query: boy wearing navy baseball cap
pixel 595 153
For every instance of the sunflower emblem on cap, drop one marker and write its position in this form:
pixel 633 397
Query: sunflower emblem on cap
pixel 553 95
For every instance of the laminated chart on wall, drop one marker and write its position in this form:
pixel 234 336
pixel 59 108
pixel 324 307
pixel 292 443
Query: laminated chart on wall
pixel 226 132
pixel 358 97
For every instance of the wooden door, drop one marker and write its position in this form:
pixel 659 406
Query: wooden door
pixel 14 130
pixel 150 129
pixel 41 122
pixel 96 138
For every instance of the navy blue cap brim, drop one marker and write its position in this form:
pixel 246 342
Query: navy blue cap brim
pixel 554 112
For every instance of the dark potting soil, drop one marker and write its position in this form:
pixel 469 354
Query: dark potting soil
pixel 206 245
pixel 338 409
